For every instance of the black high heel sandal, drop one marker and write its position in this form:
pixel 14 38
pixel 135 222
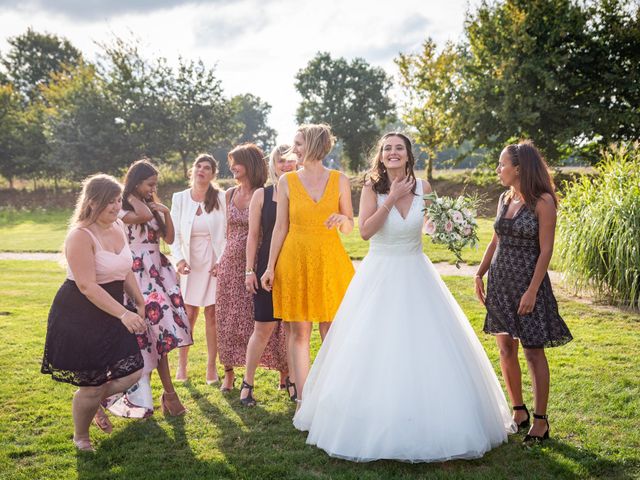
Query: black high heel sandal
pixel 531 439
pixel 289 384
pixel 247 401
pixel 526 422
pixel 224 389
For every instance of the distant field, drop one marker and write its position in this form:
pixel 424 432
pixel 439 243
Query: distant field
pixel 44 231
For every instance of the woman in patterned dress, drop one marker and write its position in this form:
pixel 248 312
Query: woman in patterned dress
pixel 309 269
pixel 521 307
pixel 147 221
pixel 268 331
pixel 234 304
pixel 90 334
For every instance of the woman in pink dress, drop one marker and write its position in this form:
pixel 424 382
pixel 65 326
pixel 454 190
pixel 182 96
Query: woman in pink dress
pixel 234 303
pixel 199 216
pixel 146 221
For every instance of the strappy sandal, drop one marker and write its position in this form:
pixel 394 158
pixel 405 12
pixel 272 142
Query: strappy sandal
pixel 101 420
pixel 524 423
pixel 289 384
pixel 537 439
pixel 247 401
pixel 166 409
pixel 224 389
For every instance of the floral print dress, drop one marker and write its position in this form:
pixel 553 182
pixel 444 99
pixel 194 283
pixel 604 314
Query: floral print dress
pixel 165 314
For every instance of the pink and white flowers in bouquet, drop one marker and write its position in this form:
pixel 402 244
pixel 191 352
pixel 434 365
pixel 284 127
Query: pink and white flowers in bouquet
pixel 452 222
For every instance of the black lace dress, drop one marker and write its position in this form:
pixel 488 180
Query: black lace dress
pixel 85 346
pixel 510 273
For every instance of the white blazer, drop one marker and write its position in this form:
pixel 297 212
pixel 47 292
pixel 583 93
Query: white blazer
pixel 183 211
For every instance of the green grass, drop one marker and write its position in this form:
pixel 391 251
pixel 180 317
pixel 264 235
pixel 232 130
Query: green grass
pixel 33 231
pixel 40 231
pixel 594 410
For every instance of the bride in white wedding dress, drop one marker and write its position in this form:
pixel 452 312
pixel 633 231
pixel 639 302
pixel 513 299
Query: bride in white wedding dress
pixel 401 374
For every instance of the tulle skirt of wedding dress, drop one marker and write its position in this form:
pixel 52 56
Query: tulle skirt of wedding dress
pixel 401 374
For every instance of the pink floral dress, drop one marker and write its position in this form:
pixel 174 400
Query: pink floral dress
pixel 234 305
pixel 166 317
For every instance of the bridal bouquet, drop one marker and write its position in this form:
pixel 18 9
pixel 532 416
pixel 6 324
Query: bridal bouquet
pixel 452 222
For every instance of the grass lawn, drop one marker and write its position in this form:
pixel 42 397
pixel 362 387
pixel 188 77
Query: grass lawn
pixel 594 410
pixel 40 231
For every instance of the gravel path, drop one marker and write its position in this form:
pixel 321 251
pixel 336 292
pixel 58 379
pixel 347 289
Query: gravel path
pixel 442 267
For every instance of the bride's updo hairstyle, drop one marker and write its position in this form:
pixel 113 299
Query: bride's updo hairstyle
pixel 378 175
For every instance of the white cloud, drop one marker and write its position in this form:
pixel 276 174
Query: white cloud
pixel 258 46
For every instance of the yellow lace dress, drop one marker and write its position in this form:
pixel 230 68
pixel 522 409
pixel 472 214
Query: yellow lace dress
pixel 313 269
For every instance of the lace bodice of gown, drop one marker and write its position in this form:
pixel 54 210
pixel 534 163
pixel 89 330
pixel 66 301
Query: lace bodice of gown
pixel 400 236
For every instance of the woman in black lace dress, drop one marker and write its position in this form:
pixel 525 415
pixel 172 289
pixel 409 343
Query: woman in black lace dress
pixel 520 304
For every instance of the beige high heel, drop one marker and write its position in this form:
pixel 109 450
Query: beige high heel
pixel 166 409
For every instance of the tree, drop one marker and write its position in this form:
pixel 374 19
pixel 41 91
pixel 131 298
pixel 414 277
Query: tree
pixel 81 122
pixel 350 96
pixel 22 142
pixel 431 81
pixel 202 117
pixel 252 113
pixel 33 57
pixel 562 72
pixel 140 89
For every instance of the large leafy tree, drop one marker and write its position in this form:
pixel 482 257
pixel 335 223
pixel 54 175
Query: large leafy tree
pixel 33 57
pixel 140 90
pixel 202 117
pixel 431 81
pixel 252 113
pixel 350 96
pixel 81 122
pixel 562 72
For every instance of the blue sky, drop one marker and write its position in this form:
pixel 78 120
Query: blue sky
pixel 257 46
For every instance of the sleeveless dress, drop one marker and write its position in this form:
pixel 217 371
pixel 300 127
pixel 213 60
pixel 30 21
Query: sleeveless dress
pixel 234 305
pixel 165 315
pixel 510 273
pixel 200 286
pixel 313 269
pixel 401 374
pixel 86 346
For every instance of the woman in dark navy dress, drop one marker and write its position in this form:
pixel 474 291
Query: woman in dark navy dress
pixel 521 307
pixel 268 333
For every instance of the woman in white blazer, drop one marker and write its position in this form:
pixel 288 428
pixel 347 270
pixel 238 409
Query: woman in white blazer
pixel 200 222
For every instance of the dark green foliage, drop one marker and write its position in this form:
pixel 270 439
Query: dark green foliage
pixel 352 97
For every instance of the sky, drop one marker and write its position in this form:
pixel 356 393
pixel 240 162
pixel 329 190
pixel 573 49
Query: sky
pixel 256 46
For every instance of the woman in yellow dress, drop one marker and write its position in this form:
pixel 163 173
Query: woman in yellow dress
pixel 309 269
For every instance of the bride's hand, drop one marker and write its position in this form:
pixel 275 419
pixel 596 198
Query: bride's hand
pixel 399 188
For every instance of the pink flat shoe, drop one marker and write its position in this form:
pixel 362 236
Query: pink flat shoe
pixel 101 420
pixel 83 444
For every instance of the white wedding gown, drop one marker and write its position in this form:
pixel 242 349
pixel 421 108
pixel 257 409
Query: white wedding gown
pixel 401 374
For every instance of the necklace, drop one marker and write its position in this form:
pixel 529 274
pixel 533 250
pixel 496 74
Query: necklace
pixel 516 202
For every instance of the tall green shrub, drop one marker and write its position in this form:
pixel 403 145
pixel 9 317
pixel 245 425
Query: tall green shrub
pixel 599 227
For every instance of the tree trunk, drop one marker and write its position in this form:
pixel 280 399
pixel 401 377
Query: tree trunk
pixel 185 170
pixel 430 168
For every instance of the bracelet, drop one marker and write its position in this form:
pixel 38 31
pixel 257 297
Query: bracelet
pixel 248 271
pixel 478 275
pixel 386 208
pixel 123 314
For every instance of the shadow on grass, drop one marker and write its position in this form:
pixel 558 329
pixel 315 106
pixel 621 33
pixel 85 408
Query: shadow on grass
pixel 256 443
